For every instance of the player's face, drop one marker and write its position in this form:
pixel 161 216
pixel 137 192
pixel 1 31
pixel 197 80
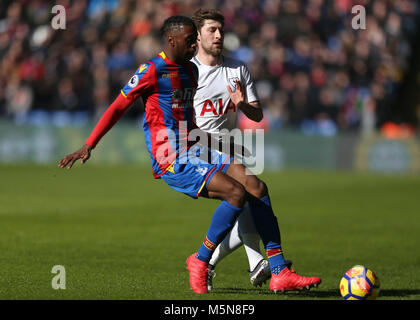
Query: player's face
pixel 210 37
pixel 185 43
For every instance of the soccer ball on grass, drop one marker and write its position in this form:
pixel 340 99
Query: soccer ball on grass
pixel 359 283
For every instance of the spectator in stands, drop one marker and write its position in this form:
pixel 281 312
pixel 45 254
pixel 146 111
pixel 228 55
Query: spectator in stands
pixel 308 63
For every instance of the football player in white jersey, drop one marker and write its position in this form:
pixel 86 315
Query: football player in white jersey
pixel 224 87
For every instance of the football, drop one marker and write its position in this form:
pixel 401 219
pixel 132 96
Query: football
pixel 359 283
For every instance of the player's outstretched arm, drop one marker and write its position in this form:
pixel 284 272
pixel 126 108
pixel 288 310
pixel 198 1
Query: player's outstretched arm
pixel 83 153
pixel 105 123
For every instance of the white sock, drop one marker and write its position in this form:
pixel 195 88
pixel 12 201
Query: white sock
pixel 250 237
pixel 230 243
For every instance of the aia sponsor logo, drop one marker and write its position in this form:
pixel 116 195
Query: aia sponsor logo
pixel 216 109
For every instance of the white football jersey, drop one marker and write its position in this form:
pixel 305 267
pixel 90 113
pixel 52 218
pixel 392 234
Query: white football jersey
pixel 214 110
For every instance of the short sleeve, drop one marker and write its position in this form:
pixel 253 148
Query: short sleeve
pixel 251 91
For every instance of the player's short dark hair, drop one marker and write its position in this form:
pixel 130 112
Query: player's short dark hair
pixel 207 14
pixel 175 23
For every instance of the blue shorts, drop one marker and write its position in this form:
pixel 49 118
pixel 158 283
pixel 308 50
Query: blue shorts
pixel 191 174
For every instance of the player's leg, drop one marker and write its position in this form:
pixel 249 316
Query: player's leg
pixel 194 175
pixel 219 188
pixel 243 233
pixel 232 194
pixel 266 224
pixel 250 237
pixel 262 213
pixel 259 269
pixel 230 243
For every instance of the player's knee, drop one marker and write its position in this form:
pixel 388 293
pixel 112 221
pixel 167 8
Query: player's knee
pixel 256 187
pixel 236 195
pixel 261 189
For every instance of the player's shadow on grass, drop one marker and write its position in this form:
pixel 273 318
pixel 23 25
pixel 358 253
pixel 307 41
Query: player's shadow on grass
pixel 315 293
pixel 398 292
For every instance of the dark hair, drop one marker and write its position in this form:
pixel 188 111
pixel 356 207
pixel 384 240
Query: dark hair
pixel 174 23
pixel 211 14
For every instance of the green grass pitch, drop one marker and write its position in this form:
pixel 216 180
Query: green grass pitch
pixel 120 234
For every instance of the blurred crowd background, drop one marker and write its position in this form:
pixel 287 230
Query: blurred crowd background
pixel 312 70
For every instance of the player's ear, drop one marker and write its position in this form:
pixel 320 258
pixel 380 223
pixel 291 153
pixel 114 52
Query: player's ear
pixel 198 36
pixel 171 39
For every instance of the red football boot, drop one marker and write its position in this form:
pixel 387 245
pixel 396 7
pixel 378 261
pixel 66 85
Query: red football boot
pixel 198 273
pixel 288 280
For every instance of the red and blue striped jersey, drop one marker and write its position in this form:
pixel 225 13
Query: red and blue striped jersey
pixel 167 90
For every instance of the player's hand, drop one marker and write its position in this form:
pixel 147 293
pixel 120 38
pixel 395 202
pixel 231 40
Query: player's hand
pixel 238 95
pixel 83 153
